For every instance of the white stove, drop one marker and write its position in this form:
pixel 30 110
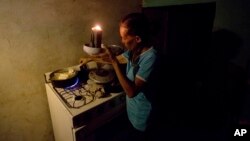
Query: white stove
pixel 78 110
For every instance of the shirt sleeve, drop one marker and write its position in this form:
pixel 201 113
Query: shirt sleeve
pixel 126 54
pixel 145 67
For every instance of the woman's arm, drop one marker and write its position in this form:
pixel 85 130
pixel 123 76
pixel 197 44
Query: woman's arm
pixel 130 87
pixel 103 58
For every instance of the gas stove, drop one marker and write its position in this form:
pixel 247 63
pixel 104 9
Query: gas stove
pixel 78 109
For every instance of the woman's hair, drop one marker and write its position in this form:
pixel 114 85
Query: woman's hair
pixel 137 25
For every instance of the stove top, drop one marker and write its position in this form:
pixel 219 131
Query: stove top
pixel 85 91
pixel 81 94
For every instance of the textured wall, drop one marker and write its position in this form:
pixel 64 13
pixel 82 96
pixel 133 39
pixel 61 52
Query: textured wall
pixel 41 36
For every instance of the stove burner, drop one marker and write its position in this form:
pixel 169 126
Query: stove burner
pixel 79 97
pixel 102 72
pixel 78 101
pixel 74 84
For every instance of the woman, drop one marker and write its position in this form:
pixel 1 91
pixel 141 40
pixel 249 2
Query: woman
pixel 140 58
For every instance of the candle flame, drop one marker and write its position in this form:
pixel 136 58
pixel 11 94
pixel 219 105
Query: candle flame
pixel 97 27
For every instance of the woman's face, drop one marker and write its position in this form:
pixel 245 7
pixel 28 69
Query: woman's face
pixel 129 41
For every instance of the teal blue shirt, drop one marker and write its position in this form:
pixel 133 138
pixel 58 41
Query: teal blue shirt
pixel 139 107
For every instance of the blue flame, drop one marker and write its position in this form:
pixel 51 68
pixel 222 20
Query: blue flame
pixel 73 85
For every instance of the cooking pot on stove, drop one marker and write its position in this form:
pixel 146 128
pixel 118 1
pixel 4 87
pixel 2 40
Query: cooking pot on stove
pixel 113 87
pixel 101 76
pixel 63 77
pixel 107 78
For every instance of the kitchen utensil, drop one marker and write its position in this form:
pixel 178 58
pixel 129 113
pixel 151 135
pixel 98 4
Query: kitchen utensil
pixel 63 77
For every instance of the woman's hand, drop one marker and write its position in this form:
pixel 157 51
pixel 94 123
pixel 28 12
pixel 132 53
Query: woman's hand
pixel 107 57
pixel 97 58
pixel 111 55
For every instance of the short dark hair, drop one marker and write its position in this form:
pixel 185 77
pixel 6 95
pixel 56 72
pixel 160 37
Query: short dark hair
pixel 137 25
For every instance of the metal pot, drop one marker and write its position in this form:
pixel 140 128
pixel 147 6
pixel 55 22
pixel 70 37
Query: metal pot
pixel 63 77
pixel 116 49
pixel 101 76
pixel 113 87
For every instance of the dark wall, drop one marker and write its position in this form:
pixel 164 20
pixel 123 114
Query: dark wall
pixel 182 35
pixel 199 88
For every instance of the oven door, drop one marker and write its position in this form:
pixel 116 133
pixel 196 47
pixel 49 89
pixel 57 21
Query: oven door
pixel 81 134
pixel 109 111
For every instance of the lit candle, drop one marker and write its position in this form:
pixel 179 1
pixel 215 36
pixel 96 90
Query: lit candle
pixel 96 36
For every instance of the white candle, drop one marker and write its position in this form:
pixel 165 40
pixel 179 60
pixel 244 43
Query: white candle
pixel 96 36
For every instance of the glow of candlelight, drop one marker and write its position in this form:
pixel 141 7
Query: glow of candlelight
pixel 97 27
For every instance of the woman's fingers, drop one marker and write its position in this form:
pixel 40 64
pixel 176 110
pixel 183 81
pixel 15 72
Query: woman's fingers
pixel 106 57
pixel 111 55
pixel 84 60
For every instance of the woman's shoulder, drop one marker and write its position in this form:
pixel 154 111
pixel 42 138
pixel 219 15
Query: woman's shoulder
pixel 149 52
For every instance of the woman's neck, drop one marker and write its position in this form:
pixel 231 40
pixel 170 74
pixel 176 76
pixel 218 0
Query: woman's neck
pixel 137 52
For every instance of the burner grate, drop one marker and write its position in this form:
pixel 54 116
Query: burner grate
pixel 81 94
